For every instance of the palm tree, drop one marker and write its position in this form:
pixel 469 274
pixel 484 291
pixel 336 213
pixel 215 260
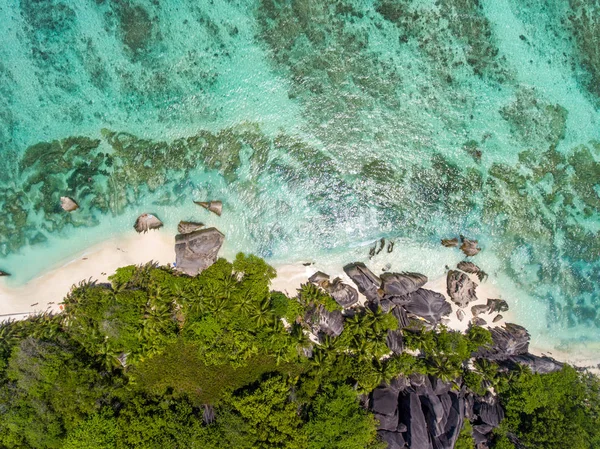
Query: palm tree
pixel 262 314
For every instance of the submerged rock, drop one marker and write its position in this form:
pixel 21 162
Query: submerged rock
pixel 185 227
pixel 4 273
pixel 428 305
pixel 68 204
pixel 450 243
pixel 401 284
pixel 460 288
pixel 145 222
pixel 197 250
pixel 469 247
pixel 366 281
pixel 215 207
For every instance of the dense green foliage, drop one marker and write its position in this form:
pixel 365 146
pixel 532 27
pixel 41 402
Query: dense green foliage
pixel 560 409
pixel 161 360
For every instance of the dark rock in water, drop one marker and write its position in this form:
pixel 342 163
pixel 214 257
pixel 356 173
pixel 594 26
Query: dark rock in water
pixel 318 277
pixel 367 282
pixel 395 341
pixel 384 401
pixel 509 340
pixel 145 222
pixel 479 309
pixel 468 267
pixel 450 243
pixel 479 321
pixel 68 204
pixel 197 250
pixel 428 305
pixel 460 314
pixel 497 305
pixel 460 288
pixel 537 364
pixel 390 247
pixel 343 294
pixel 401 284
pixel 381 246
pixel 411 415
pixel 401 316
pixel 497 318
pixel 185 227
pixel 394 440
pixel 4 273
pixel 216 207
pixel 469 247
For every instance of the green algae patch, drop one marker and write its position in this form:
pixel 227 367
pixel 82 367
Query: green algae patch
pixel 534 121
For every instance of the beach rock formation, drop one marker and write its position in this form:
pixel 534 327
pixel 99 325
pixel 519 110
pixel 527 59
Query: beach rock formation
pixel 497 318
pixel 469 247
pixel 197 250
pixel 450 243
pixel 460 288
pixel 68 204
pixel 497 305
pixel 4 273
pixel 478 321
pixel 215 207
pixel 145 222
pixel 401 284
pixel 325 322
pixel 366 281
pixel 343 294
pixel 460 314
pixel 508 340
pixel 471 268
pixel 427 304
pixel 318 278
pixel 479 309
pixel 537 364
pixel 185 227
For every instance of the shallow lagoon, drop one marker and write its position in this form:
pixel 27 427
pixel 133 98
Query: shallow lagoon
pixel 323 126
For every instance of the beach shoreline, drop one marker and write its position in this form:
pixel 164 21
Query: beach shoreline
pixel 98 262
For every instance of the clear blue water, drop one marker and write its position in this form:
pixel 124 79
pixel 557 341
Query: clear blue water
pixel 322 126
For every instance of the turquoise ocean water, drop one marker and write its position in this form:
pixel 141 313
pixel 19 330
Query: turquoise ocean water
pixel 323 126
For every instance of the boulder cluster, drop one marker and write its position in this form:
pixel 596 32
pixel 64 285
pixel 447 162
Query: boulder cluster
pixel 423 412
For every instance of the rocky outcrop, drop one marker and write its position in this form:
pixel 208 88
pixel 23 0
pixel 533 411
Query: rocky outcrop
pixel 401 284
pixel 537 364
pixel 216 207
pixel 460 288
pixel 325 322
pixel 197 250
pixel 366 281
pixel 420 412
pixel 146 222
pixel 185 227
pixel 68 204
pixel 497 305
pixel 509 340
pixel 343 294
pixel 427 304
pixel 318 277
pixel 395 341
pixel 471 268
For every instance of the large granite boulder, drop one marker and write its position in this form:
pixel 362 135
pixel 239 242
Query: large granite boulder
pixel 197 250
pixel 428 305
pixel 343 294
pixel 537 364
pixel 329 323
pixel 509 340
pixel 366 281
pixel 395 341
pixel 401 284
pixel 412 416
pixel 461 288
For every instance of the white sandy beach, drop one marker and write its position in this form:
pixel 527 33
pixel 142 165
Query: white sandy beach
pixel 45 292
